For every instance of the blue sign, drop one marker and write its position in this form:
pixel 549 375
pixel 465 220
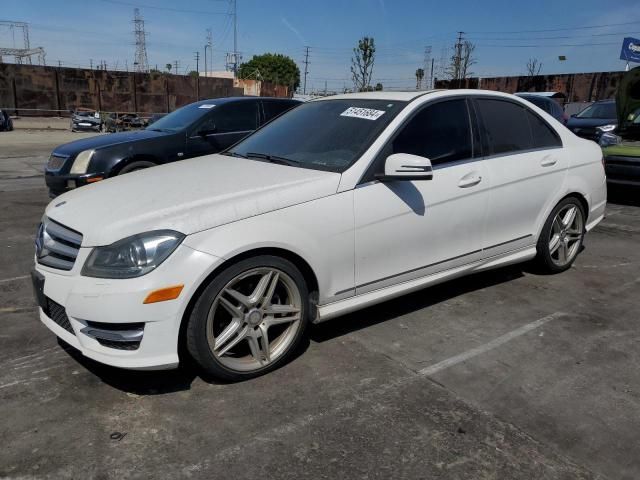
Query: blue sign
pixel 630 50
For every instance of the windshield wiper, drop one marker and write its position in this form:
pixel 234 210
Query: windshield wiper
pixel 273 158
pixel 233 154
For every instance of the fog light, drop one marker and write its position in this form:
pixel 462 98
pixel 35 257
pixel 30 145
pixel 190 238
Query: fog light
pixel 71 184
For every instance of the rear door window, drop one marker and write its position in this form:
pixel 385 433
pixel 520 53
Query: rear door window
pixel 234 117
pixel 543 135
pixel 274 108
pixel 506 126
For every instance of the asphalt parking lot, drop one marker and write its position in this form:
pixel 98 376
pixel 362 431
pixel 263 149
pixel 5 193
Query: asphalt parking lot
pixel 507 374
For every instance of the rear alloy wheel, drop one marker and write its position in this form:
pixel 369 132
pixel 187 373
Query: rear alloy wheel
pixel 562 236
pixel 250 319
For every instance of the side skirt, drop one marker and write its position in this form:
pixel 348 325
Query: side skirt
pixel 341 307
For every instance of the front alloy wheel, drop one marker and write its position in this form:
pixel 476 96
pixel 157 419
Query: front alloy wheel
pixel 249 319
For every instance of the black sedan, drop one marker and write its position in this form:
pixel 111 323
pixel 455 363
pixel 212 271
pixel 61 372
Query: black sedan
pixel 547 104
pixel 598 118
pixel 201 128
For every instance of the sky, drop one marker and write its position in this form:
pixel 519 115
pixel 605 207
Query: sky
pixel 507 33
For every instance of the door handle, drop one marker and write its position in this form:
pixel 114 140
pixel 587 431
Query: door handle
pixel 548 161
pixel 469 181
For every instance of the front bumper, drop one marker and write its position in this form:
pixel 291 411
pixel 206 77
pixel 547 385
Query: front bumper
pixel 61 183
pixel 87 301
pixel 622 170
pixel 94 127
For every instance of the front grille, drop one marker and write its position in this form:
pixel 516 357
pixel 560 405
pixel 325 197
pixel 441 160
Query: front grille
pixel 58 314
pixel 622 161
pixel 56 162
pixel 57 246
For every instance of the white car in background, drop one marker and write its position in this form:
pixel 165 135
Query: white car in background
pixel 338 204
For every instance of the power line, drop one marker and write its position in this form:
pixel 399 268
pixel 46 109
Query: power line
pixel 586 27
pixel 168 9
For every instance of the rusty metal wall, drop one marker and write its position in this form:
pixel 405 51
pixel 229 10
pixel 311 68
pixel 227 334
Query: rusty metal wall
pixel 49 89
pixel 577 87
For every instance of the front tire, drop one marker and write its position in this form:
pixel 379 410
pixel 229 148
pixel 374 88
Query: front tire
pixel 562 236
pixel 133 166
pixel 250 319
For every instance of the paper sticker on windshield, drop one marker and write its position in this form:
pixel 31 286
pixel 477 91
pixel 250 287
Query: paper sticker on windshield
pixel 207 105
pixel 366 113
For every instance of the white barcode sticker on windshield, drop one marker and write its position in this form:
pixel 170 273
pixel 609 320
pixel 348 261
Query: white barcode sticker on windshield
pixel 366 113
pixel 207 105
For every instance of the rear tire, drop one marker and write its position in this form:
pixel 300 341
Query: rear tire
pixel 562 236
pixel 250 319
pixel 133 166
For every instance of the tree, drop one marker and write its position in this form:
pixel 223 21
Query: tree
pixel 533 67
pixel 419 77
pixel 461 61
pixel 379 87
pixel 168 67
pixel 272 67
pixel 194 74
pixel 362 63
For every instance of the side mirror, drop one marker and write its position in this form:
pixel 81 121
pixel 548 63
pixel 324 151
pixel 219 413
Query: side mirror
pixel 404 166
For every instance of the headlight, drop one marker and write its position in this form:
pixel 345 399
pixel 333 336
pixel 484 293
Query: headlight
pixel 607 139
pixel 132 256
pixel 81 163
pixel 607 128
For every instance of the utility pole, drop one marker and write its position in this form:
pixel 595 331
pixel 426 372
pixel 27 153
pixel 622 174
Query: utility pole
pixel 431 85
pixel 59 64
pixel 197 57
pixel 175 67
pixel 235 38
pixel 91 63
pixel 306 69
pixel 458 59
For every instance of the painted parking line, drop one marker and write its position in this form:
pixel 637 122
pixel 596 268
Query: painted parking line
pixel 13 279
pixel 495 343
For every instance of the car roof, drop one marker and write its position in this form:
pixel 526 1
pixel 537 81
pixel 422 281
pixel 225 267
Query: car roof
pixel 223 100
pixel 391 96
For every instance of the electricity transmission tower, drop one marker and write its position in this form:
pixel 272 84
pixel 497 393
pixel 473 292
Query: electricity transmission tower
pixel 140 62
pixel 26 52
pixel 427 61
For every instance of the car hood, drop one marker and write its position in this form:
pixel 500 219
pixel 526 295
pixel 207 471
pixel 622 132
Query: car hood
pixel 101 141
pixel 575 122
pixel 624 149
pixel 78 118
pixel 628 95
pixel 187 196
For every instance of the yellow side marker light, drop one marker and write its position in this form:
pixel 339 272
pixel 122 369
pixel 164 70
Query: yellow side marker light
pixel 164 294
pixel 94 179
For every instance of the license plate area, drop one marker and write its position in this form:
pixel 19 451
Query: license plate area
pixel 37 279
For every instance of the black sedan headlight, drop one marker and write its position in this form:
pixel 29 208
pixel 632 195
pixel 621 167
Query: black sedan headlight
pixel 132 256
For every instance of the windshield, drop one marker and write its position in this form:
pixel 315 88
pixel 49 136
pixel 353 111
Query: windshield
pixel 324 135
pixel 182 118
pixel 599 110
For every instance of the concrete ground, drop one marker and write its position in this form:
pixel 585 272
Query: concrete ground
pixel 503 375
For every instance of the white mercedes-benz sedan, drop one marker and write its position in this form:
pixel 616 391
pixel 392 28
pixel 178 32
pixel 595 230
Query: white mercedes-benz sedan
pixel 336 205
